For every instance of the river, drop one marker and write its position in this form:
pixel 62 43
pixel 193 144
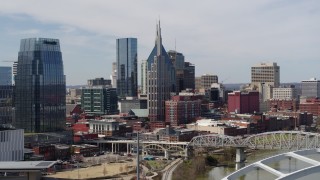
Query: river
pixel 217 173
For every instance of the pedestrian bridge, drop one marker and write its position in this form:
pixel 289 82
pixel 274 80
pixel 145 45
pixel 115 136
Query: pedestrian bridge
pixel 294 140
pixel 290 140
pixel 297 165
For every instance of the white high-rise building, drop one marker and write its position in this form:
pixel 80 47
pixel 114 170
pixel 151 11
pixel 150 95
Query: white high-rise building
pixel 265 77
pixel 310 88
pixel 207 80
pixel 267 73
pixel 113 76
pixel 144 71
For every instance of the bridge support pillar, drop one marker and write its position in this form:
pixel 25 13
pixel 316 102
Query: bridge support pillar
pixel 240 155
pixel 186 153
pixel 127 148
pixel 166 154
pixel 112 148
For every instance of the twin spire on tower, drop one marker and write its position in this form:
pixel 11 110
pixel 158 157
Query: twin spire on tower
pixel 158 39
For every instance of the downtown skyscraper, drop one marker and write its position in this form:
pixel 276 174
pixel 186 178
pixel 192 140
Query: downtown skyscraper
pixel 6 94
pixel 160 79
pixel 40 101
pixel 127 67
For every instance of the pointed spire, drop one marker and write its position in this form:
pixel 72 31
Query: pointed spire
pixel 159 40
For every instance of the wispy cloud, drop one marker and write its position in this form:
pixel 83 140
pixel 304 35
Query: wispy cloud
pixel 230 35
pixel 24 32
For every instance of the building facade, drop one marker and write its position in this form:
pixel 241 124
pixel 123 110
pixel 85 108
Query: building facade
pixel 99 100
pixel 127 70
pixel 185 71
pixel 189 76
pixel 268 73
pixel 161 79
pixel 310 88
pixel 40 86
pixel 144 70
pixel 182 109
pixel 126 105
pixel 243 102
pixel 207 80
pixel 6 104
pixel 99 82
pixel 177 60
pixel 113 75
pixel 105 127
pixel 283 104
pixel 285 93
pixel 5 76
pixel 311 105
pixel 11 145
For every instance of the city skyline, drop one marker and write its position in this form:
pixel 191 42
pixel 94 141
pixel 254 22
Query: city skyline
pixel 232 36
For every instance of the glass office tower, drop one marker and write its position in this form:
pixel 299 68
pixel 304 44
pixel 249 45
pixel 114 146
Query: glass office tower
pixel 6 92
pixel 5 76
pixel 40 93
pixel 127 70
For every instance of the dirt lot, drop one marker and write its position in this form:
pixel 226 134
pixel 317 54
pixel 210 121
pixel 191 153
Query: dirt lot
pixel 105 169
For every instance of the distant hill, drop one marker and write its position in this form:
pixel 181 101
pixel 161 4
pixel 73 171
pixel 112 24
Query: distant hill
pixel 236 86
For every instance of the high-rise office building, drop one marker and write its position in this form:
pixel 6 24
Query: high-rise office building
pixel 6 94
pixel 6 104
pixel 185 71
pixel 144 71
pixel 189 76
pixel 40 90
pixel 161 79
pixel 99 100
pixel 267 73
pixel 310 88
pixel 5 76
pixel 127 70
pixel 177 60
pixel 207 80
pixel 265 77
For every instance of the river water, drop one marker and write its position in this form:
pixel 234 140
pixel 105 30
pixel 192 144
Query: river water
pixel 217 173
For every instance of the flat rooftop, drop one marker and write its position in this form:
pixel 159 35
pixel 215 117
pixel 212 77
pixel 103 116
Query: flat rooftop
pixel 25 165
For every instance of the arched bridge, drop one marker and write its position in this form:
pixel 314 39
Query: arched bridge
pixel 269 140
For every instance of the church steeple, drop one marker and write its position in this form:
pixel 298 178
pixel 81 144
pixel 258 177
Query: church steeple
pixel 158 39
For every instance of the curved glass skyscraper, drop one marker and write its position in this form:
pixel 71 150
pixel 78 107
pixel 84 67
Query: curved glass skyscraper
pixel 127 68
pixel 40 93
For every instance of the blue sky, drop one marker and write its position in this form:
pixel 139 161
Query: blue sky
pixel 220 37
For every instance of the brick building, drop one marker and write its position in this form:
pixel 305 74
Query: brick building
pixel 47 151
pixel 86 150
pixel 243 102
pixel 283 104
pixel 182 109
pixel 311 106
